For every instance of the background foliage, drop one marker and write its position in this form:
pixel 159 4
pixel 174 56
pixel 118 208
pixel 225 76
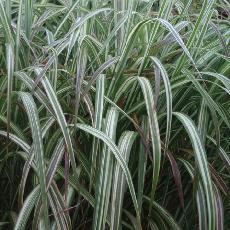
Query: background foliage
pixel 114 114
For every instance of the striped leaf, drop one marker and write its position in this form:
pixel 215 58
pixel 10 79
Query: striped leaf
pixel 104 183
pixel 154 131
pixel 119 159
pixel 32 114
pixel 142 163
pixel 118 189
pixel 99 105
pixel 27 208
pixel 168 97
pixel 61 120
pixel 201 161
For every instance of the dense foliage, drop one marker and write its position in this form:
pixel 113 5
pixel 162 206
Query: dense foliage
pixel 114 114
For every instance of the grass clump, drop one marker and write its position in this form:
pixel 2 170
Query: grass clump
pixel 114 114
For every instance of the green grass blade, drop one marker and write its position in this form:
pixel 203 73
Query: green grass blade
pixel 164 214
pixel 61 120
pixel 32 113
pixel 5 24
pixel 29 203
pixel 75 5
pixel 28 17
pixel 154 131
pixel 142 163
pixel 168 98
pixel 201 160
pixel 201 20
pixel 18 34
pixel 118 157
pixel 103 188
pixel 10 72
pixel 124 145
pixel 99 107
